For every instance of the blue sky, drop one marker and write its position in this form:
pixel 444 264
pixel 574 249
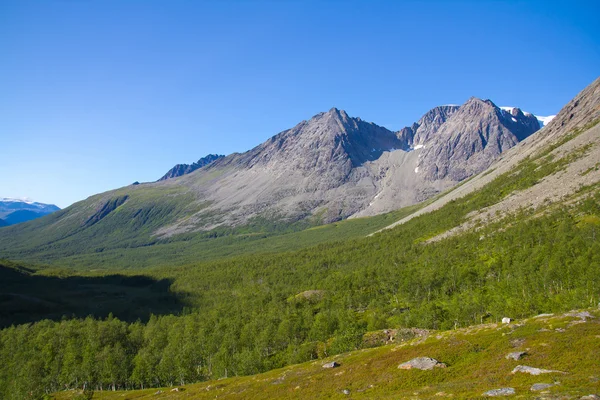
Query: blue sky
pixel 98 94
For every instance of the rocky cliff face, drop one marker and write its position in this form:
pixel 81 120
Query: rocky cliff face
pixel 424 130
pixel 471 138
pixel 183 169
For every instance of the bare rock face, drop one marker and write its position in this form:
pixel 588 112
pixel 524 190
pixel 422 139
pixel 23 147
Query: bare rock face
pixel 327 148
pixel 424 130
pixel 472 138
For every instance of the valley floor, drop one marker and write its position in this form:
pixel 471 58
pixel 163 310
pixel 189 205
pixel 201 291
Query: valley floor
pixel 476 359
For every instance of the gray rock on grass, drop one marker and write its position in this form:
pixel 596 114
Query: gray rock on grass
pixel 534 371
pixel 500 392
pixel 517 355
pixel 536 387
pixel 422 363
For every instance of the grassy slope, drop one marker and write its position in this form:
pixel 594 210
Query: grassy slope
pixel 83 228
pixel 475 357
pixel 210 246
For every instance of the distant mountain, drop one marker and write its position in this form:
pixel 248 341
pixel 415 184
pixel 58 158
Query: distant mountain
pixel 2 223
pixel 14 211
pixel 183 169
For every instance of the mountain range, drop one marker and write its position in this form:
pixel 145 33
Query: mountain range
pixel 328 168
pixel 15 211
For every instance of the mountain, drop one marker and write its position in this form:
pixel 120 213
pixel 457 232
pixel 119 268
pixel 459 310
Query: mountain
pixel 566 164
pixel 14 211
pixel 334 166
pixel 3 223
pixel 325 169
pixel 472 138
pixel 182 169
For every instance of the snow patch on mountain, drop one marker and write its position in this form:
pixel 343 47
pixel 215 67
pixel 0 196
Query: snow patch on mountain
pixel 545 120
pixel 17 200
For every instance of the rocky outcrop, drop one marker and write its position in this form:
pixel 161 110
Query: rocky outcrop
pixel 183 169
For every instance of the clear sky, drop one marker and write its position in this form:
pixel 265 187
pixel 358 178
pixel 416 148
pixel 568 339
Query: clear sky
pixel 95 95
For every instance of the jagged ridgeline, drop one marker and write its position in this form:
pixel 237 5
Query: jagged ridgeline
pixel 329 168
pixel 519 239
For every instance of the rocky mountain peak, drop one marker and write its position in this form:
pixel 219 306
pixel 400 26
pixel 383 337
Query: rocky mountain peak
pixel 472 137
pixel 423 130
pixel 328 141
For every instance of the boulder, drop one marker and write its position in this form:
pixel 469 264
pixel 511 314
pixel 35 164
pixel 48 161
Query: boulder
pixel 517 355
pixel 346 391
pixel 506 320
pixel 540 386
pixel 500 392
pixel 534 371
pixel 332 364
pixel 422 363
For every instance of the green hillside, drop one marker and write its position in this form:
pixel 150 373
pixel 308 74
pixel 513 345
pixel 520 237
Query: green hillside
pixel 132 247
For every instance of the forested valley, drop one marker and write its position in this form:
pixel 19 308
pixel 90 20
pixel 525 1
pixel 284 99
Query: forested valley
pixel 251 313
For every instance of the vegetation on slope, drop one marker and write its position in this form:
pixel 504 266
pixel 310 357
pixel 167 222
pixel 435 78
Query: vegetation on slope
pixel 245 315
pixel 475 357
pixel 259 236
pixel 252 313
